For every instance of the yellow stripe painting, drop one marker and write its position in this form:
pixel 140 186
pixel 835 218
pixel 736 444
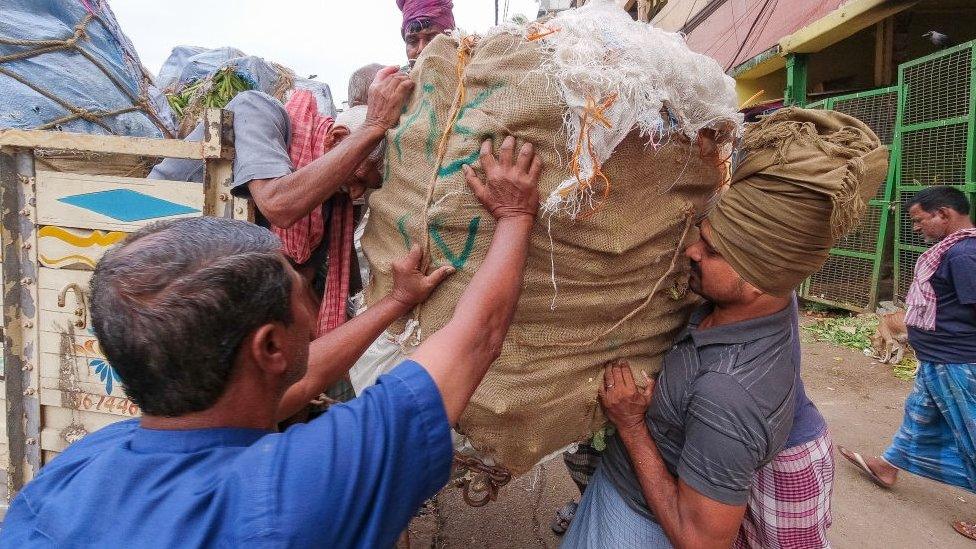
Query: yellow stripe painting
pixel 68 248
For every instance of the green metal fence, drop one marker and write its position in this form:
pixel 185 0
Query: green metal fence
pixel 850 277
pixel 934 141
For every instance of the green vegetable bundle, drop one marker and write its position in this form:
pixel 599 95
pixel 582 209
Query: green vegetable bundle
pixel 213 92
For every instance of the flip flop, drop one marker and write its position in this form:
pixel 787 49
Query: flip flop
pixel 967 529
pixel 564 516
pixel 859 462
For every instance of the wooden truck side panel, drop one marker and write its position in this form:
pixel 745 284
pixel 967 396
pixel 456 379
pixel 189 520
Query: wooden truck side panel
pixel 57 386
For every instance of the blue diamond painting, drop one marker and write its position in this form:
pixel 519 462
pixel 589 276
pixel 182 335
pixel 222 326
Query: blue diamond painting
pixel 126 205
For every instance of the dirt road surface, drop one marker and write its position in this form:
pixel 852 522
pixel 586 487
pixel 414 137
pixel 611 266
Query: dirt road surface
pixel 863 404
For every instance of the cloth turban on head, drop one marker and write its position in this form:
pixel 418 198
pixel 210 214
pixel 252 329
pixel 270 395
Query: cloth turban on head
pixel 438 12
pixel 353 118
pixel 804 182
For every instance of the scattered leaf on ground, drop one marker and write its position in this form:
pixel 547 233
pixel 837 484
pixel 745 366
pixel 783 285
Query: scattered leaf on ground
pixel 854 332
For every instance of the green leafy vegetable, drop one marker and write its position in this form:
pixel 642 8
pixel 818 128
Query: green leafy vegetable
pixel 212 92
pixel 599 441
pixel 847 331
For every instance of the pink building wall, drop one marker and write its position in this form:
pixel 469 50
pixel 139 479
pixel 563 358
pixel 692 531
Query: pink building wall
pixel 726 35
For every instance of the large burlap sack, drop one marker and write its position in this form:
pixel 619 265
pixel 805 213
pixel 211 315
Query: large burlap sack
pixel 541 393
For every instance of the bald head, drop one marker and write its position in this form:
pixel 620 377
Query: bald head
pixel 359 83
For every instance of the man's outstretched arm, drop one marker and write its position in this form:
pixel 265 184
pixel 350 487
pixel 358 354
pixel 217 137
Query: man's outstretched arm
pixel 333 354
pixel 374 460
pixel 285 200
pixel 458 355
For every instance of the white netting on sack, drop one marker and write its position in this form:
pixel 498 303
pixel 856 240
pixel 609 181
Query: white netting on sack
pixel 615 74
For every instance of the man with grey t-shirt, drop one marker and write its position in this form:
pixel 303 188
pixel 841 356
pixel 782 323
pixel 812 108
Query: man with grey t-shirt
pixel 701 457
pixel 722 407
pixel 262 165
pixel 283 196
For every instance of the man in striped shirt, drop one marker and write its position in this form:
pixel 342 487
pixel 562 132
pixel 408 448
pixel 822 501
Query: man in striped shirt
pixel 700 457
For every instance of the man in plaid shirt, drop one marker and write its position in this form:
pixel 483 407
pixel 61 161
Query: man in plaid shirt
pixel 302 172
pixel 937 438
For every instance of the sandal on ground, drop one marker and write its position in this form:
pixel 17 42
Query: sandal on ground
pixel 564 516
pixel 859 462
pixel 967 529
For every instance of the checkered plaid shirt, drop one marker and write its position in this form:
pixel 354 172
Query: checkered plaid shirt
pixel 308 132
pixel 921 299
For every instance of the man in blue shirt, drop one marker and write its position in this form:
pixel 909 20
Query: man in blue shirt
pixel 208 325
pixel 937 438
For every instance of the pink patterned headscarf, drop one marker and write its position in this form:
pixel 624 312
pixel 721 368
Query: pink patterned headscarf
pixel 434 12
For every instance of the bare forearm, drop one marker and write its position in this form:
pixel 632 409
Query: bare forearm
pixel 488 303
pixel 331 356
pixel 481 317
pixel 285 200
pixel 344 345
pixel 660 489
pixel 690 518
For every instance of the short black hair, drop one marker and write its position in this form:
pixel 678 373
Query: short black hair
pixel 931 199
pixel 172 304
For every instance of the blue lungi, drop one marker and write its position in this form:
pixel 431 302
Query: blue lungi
pixel 604 520
pixel 937 438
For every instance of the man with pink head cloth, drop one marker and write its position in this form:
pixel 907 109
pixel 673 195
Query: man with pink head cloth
pixel 422 21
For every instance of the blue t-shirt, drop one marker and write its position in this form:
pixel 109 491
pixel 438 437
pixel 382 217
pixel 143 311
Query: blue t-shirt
pixel 954 339
pixel 353 477
pixel 808 423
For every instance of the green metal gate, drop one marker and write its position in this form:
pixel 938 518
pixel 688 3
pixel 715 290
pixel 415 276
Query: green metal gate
pixel 850 277
pixel 934 141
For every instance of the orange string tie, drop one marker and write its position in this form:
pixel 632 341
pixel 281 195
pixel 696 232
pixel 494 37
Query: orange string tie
pixel 593 113
pixel 598 112
pixel 463 56
pixel 539 32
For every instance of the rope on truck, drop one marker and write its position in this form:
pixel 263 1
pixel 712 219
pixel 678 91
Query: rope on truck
pixel 72 43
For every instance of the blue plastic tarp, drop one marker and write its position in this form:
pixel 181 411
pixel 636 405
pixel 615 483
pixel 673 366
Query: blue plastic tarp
pixel 73 77
pixel 188 64
pixel 172 69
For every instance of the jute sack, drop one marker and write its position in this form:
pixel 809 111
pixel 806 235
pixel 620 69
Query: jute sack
pixel 586 296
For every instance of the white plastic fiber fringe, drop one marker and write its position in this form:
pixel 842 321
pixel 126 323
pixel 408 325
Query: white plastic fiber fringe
pixel 598 52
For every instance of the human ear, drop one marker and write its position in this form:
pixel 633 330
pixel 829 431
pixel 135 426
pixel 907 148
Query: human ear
pixel 335 136
pixel 268 347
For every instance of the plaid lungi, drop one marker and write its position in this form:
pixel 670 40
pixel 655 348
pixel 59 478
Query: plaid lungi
pixel 789 504
pixel 937 438
pixel 582 464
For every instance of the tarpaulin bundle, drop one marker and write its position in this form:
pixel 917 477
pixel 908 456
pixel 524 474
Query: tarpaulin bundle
pixel 65 65
pixel 191 74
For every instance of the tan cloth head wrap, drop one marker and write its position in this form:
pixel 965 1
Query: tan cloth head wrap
pixel 804 182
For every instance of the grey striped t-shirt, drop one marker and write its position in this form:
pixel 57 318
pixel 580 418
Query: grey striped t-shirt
pixel 262 134
pixel 722 408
